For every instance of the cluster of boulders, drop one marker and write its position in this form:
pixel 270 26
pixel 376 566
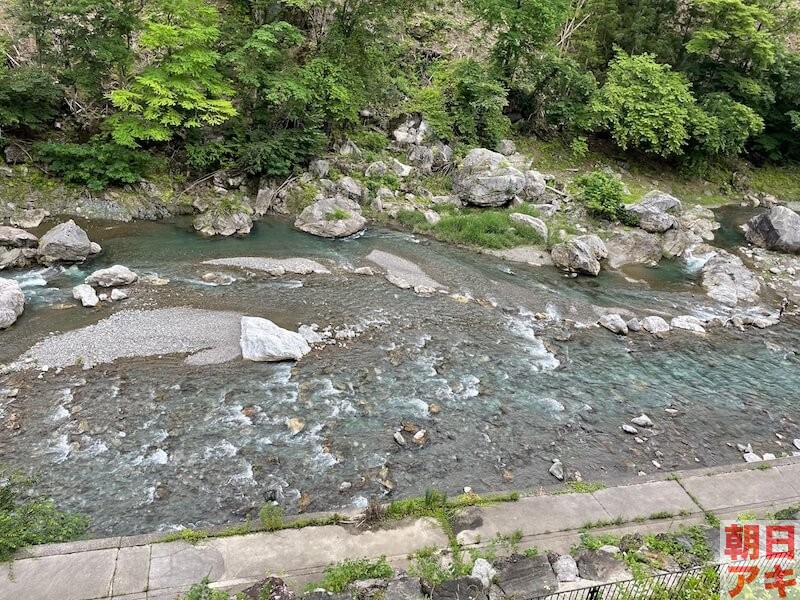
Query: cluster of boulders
pixel 111 279
pixel 658 326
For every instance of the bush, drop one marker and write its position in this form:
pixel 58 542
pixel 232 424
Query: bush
pixel 464 103
pixel 603 195
pixel 201 591
pixel 95 164
pixel 28 520
pixel 271 516
pixel 28 98
pixel 339 576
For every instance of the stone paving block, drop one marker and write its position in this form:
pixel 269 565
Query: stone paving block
pixel 534 516
pixel 739 489
pixel 132 572
pixel 178 564
pixel 295 550
pixel 642 500
pixel 791 473
pixel 82 576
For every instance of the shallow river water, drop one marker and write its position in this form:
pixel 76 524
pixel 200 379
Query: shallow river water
pixel 152 444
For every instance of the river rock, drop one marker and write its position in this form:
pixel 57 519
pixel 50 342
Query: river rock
pixel 689 323
pixel 317 219
pixel 630 429
pixel 216 223
pixel 12 302
pixel 486 178
pixel 535 187
pixel 700 222
pixel 655 325
pixel 778 230
pixel 442 155
pixel 86 294
pixel 565 568
pixel 725 278
pixel 400 169
pixel 112 277
pixel 350 188
pixel 117 295
pixel 580 255
pixel 642 421
pixel 29 218
pixel 657 201
pixel 319 168
pixel 657 222
pixel 263 341
pixel 413 131
pixel 507 147
pixel 557 470
pixel 527 220
pixel 12 237
pixel 675 242
pixel 404 588
pixel 633 247
pixel 65 242
pixel 614 323
pixel 422 158
pixel 483 570
pixel 525 576
pixel 634 324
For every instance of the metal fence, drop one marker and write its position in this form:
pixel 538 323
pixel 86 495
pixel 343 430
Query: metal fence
pixel 643 589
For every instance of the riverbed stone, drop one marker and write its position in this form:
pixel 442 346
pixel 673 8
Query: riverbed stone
pixel 777 229
pixel 86 294
pixel 487 178
pixel 214 223
pixel 657 201
pixel 580 255
pixel 655 325
pixel 528 221
pixel 657 222
pixel 633 247
pixel 263 341
pixel 321 218
pixel 700 222
pixel 13 237
pixel 29 218
pixel 12 302
pixel 65 242
pixel 536 189
pixel 614 323
pixel 112 277
pixel 118 294
pixel 523 577
pixel 725 277
pixel 687 322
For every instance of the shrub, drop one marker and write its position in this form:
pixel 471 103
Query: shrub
pixel 603 195
pixel 95 164
pixel 28 98
pixel 27 520
pixel 201 591
pixel 339 576
pixel 337 214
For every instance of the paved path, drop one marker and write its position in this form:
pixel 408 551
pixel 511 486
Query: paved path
pixel 141 568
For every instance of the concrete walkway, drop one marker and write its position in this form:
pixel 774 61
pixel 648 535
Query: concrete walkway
pixel 142 568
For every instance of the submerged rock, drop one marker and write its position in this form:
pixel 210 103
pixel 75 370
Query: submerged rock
pixel 689 323
pixel 580 255
pixel 263 341
pixel 778 229
pixel 332 217
pixel 614 323
pixel 486 178
pixel 12 302
pixel 112 277
pixel 65 242
pixel 86 294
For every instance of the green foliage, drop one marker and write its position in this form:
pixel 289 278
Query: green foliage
pixel 181 86
pixel 486 229
pixel 687 545
pixel 300 197
pixel 28 98
pixel 27 520
pixel 95 164
pixel 722 126
pixel 192 536
pixel 603 195
pixel 644 105
pixel 83 43
pixel 464 103
pixel 271 516
pixel 201 591
pixel 339 576
pixel 337 214
pixel 521 26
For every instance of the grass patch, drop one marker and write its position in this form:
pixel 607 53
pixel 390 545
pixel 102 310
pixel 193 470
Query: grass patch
pixel 788 513
pixel 339 576
pixel 337 214
pixel 271 516
pixel 486 228
pixel 782 182
pixel 687 545
pixel 300 197
pixel 192 536
pixel 582 487
pixel 27 520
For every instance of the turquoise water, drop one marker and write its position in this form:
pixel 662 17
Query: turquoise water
pixel 152 444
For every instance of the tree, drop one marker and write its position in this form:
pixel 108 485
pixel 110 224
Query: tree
pixel 82 42
pixel 521 26
pixel 181 86
pixel 722 126
pixel 28 98
pixel 645 105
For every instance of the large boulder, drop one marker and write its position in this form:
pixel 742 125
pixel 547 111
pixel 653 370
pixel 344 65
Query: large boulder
pixel 528 221
pixel 778 229
pixel 12 302
pixel 65 242
pixel 725 278
pixel 487 178
pixel 633 247
pixel 332 217
pixel 580 255
pixel 17 248
pixel 657 201
pixel 657 222
pixel 11 237
pixel 219 223
pixel 263 341
pixel 535 186
pixel 112 277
